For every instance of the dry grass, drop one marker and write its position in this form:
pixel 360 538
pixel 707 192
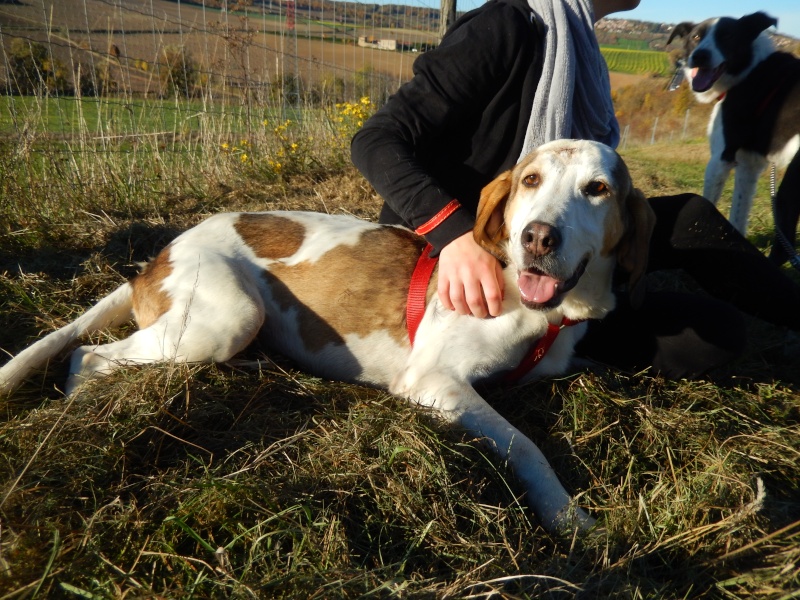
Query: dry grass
pixel 255 480
pixel 252 479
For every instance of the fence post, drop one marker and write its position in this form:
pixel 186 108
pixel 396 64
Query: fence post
pixel 653 135
pixel 685 124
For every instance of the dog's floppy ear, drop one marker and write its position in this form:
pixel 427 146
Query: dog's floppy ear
pixel 680 30
pixel 490 228
pixel 634 248
pixel 753 25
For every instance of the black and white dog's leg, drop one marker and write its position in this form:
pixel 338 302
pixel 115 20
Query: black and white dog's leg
pixel 787 211
pixel 717 170
pixel 749 167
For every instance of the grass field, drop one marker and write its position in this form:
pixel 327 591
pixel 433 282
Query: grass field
pixel 252 479
pixel 641 62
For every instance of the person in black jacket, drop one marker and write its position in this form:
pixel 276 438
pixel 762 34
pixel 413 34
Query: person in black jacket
pixel 508 76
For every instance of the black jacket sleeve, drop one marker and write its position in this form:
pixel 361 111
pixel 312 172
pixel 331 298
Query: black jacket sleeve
pixel 437 138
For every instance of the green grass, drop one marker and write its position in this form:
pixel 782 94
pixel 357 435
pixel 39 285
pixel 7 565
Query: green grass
pixel 637 62
pixel 629 44
pixel 254 479
pixel 118 116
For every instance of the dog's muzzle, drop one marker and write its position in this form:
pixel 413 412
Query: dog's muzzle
pixel 540 290
pixel 542 284
pixel 704 76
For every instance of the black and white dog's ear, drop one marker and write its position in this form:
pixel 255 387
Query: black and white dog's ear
pixel 680 30
pixel 753 25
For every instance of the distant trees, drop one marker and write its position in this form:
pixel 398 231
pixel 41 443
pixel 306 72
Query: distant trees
pixel 178 73
pixel 34 71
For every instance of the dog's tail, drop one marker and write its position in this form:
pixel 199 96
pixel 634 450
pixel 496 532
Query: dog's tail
pixel 113 310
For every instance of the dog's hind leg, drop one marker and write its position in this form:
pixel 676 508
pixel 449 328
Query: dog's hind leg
pixel 111 311
pixel 207 322
pixel 787 211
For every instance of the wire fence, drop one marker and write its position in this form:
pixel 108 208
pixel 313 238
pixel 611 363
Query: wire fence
pixel 274 53
pixel 210 79
pixel 138 100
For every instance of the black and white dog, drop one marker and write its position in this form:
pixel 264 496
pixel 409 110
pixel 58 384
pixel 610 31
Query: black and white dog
pixel 756 119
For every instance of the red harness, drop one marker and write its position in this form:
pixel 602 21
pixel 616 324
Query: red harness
pixel 415 309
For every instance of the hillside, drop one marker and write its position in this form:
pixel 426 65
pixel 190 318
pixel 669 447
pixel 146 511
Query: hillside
pixel 643 35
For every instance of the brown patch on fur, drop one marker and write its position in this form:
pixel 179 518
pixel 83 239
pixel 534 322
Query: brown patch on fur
pixel 490 229
pixel 355 289
pixel 270 236
pixel 150 301
pixel 619 219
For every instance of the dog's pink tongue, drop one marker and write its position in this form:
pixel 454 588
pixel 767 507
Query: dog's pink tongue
pixel 702 79
pixel 537 288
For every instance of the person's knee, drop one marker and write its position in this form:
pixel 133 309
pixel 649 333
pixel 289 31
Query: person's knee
pixel 703 346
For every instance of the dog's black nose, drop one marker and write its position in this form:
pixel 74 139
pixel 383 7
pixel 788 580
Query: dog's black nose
pixel 540 239
pixel 700 58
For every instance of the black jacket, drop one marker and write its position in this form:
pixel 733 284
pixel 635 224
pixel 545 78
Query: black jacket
pixel 458 123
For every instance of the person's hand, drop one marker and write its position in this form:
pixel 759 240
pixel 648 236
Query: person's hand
pixel 470 279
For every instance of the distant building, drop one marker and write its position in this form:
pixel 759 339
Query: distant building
pixel 371 42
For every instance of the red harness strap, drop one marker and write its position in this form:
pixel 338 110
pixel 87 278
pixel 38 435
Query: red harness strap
pixel 415 309
pixel 418 290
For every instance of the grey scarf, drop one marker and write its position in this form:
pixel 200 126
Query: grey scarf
pixel 573 99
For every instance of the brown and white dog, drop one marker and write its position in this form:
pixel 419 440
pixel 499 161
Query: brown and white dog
pixel 330 292
pixel 756 119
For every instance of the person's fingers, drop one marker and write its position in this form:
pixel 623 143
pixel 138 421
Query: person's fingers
pixel 493 291
pixel 470 279
pixel 443 290
pixel 475 301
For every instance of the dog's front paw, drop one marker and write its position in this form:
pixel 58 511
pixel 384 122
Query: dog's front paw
pixel 573 517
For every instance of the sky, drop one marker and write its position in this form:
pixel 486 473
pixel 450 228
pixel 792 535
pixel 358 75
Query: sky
pixel 786 11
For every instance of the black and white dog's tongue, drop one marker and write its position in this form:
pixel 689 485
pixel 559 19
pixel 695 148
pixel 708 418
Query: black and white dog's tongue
pixel 703 79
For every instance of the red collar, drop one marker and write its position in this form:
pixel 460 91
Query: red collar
pixel 770 97
pixel 767 99
pixel 415 309
pixel 538 350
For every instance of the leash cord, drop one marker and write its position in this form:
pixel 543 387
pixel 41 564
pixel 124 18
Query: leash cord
pixel 787 246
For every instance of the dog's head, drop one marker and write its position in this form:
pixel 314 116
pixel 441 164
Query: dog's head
pixel 719 53
pixel 563 217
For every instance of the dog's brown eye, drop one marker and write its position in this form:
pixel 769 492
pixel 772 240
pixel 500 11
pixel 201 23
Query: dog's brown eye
pixel 596 188
pixel 532 180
